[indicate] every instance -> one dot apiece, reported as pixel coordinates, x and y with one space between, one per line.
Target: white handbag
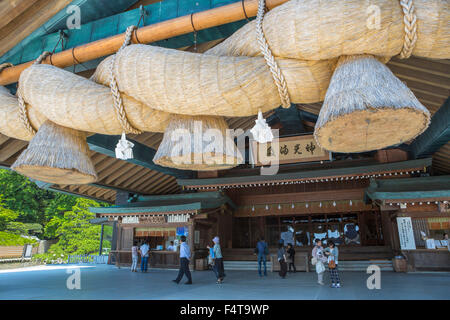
313 261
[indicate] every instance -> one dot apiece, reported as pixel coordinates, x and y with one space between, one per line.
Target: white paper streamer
124 148
261 132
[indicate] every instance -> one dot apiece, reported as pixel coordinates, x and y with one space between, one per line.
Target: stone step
360 265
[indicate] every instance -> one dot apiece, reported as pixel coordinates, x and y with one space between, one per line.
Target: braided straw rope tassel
277 75
410 21
23 115
117 98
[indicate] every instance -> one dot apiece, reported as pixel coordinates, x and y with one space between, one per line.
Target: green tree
6 215
76 234
23 196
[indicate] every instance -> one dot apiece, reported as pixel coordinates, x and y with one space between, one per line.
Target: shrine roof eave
364 170
424 188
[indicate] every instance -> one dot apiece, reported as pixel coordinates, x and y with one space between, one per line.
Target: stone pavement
109 282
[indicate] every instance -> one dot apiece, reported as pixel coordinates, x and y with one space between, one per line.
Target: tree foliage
26 209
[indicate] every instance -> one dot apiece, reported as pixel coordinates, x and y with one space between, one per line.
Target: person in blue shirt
185 256
218 261
144 250
333 255
262 250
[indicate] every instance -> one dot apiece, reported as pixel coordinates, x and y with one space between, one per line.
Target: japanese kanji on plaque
288 150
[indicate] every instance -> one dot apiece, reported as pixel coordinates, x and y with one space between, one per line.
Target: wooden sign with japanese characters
290 150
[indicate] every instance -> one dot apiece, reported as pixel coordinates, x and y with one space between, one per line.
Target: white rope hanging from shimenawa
261 132
124 148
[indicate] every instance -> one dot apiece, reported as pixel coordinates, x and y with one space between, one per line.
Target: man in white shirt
144 251
185 256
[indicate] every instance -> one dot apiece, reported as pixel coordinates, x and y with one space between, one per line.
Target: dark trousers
291 264
144 264
262 260
218 268
283 268
184 270
334 275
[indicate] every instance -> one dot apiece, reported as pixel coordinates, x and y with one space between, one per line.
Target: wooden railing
94 259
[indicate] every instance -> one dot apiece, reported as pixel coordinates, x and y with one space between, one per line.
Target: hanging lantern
197 143
261 132
367 108
57 155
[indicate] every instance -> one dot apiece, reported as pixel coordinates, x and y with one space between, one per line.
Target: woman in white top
319 259
134 257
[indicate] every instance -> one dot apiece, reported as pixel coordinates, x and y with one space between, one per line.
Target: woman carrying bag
333 253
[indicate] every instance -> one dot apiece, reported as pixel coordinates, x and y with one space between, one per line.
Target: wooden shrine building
389 205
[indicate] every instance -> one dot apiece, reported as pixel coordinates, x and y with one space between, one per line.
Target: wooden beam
119 172
150 182
145 179
10 9
28 21
133 181
11 148
437 134
142 155
136 171
110 169
178 26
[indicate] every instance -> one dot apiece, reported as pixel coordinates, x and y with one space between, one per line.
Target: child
333 253
134 256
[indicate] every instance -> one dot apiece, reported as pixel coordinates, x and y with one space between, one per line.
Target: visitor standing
291 255
262 250
211 258
171 247
318 260
218 260
333 253
134 256
448 241
282 260
144 250
185 256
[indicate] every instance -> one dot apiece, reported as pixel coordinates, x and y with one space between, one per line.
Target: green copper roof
170 203
437 187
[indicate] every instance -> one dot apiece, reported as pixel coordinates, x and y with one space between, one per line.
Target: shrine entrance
345 229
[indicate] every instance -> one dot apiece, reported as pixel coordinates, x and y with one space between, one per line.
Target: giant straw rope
305 37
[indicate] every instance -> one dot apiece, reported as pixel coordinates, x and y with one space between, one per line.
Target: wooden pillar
191 243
